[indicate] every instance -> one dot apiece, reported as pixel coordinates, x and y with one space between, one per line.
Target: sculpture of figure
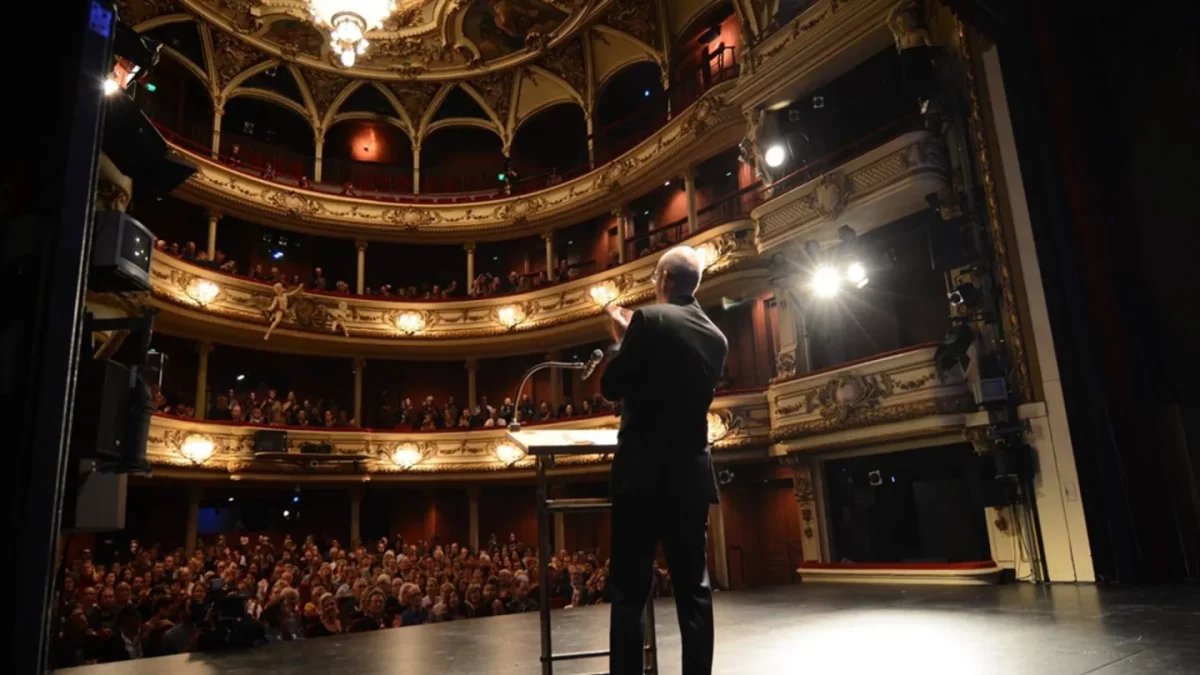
338 318
279 306
753 149
906 26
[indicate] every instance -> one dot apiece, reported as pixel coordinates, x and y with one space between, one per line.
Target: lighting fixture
825 282
151 88
410 322
775 156
240 377
286 513
717 428
277 255
111 86
666 183
508 453
202 291
348 22
197 448
646 93
500 177
857 274
231 500
406 455
296 499
510 315
603 293
728 174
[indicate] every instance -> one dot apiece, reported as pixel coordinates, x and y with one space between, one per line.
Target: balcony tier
204 303
359 455
888 396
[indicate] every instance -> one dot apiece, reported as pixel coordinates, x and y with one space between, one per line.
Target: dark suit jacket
664 373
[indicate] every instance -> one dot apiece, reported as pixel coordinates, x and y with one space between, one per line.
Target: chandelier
348 22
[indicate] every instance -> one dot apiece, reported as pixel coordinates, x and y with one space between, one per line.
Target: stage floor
978 630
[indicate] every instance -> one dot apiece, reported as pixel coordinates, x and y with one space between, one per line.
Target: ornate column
213 217
360 364
191 535
591 142
203 349
416 168
318 158
810 521
470 249
359 284
716 526
689 186
473 517
218 112
472 365
793 356
548 237
620 215
356 497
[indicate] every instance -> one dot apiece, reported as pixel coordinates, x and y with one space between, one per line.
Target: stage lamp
111 86
775 156
965 293
856 274
825 282
952 355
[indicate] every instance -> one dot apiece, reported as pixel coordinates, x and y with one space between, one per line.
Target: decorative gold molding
893 388
370 452
1012 317
244 304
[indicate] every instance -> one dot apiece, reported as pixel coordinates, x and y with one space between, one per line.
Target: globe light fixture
510 315
603 293
202 291
856 274
826 282
348 22
410 322
508 453
197 448
406 455
775 156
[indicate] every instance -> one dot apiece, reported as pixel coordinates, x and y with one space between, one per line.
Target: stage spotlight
775 156
857 274
111 86
286 513
825 282
951 355
966 293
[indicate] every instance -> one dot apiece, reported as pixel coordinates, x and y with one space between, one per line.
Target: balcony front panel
708 126
881 185
201 302
740 419
843 404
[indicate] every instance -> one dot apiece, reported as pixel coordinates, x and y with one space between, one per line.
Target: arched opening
630 106
372 156
462 159
550 146
267 137
178 103
707 56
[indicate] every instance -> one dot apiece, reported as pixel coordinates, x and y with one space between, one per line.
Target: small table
544 445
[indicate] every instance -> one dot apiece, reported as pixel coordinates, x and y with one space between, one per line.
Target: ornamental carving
496 90
831 194
233 55
873 416
414 97
324 88
785 366
567 63
848 393
292 202
636 17
704 114
134 12
409 217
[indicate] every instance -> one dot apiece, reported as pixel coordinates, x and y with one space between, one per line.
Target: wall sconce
510 315
202 291
197 448
604 293
508 454
406 455
707 255
410 322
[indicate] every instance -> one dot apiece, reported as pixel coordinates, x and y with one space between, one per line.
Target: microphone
590 366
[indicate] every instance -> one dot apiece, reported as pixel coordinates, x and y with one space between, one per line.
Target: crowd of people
484 285
403 414
251 408
152 601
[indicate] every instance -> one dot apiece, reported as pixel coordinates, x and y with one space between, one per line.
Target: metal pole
543 527
651 651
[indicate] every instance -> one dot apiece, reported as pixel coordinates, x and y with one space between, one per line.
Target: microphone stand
566 365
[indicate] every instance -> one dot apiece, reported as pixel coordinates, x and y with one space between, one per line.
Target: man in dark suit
669 357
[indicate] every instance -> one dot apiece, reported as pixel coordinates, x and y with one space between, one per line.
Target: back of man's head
681 269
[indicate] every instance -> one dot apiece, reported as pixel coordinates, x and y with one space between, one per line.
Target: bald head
679 271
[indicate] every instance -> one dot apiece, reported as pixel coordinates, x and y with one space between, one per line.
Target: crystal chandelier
348 22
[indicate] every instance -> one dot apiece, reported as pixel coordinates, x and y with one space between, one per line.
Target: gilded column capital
361 245
204 347
471 364
214 215
359 363
469 247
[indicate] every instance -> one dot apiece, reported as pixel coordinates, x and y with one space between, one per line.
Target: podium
544 445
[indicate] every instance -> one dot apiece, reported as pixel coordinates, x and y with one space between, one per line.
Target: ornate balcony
878 186
195 449
201 302
709 125
899 394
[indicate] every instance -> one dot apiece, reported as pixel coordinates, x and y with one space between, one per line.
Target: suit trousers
638 525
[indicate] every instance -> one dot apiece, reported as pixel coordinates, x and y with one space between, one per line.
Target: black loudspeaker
270 441
316 449
112 415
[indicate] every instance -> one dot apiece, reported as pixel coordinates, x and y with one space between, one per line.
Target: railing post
360 364
213 217
218 111
689 186
360 283
470 249
318 159
203 349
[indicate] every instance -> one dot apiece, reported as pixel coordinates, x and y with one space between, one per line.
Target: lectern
544 445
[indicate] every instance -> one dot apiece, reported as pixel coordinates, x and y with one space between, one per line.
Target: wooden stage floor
810 629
